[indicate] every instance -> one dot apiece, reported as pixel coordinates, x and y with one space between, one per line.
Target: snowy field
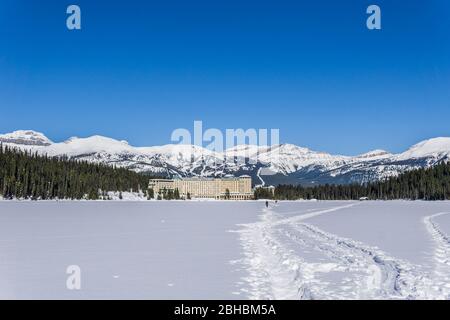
226 250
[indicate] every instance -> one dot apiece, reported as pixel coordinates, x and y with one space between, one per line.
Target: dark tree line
424 184
28 175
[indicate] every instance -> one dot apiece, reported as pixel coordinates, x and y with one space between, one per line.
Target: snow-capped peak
287 148
94 144
176 150
26 137
246 150
375 154
436 147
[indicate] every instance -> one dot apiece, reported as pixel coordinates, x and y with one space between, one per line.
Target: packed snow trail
367 273
289 259
441 255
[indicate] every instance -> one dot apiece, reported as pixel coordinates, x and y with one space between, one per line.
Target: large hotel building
213 188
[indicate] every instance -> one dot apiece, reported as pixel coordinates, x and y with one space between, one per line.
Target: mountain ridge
284 163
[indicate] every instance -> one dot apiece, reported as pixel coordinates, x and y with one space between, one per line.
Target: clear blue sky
139 69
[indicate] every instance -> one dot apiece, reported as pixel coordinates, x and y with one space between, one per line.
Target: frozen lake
226 250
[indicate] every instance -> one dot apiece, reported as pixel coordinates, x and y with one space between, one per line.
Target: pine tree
422 184
150 194
27 175
176 194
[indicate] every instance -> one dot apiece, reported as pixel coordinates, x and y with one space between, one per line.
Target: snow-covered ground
349 250
226 250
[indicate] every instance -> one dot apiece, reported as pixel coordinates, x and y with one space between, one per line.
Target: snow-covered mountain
285 163
26 137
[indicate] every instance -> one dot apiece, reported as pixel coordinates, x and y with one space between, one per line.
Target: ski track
332 267
258 174
441 254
